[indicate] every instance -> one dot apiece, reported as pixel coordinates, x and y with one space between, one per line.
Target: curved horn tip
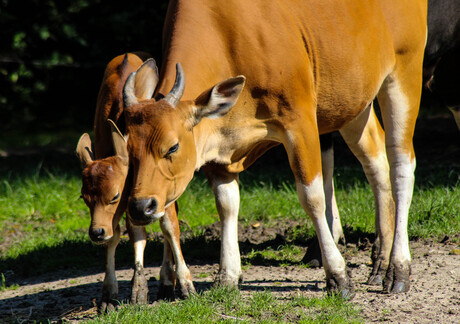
177 91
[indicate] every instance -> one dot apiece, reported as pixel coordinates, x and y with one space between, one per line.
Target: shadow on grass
85 258
438 160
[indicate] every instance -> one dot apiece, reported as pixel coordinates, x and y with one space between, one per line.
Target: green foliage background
54 52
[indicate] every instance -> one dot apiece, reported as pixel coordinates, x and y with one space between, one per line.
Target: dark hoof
312 257
186 290
378 273
107 306
166 292
223 279
139 292
375 280
341 285
397 279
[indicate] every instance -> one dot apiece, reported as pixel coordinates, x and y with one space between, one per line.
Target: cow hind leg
399 99
139 287
366 139
170 226
304 157
110 284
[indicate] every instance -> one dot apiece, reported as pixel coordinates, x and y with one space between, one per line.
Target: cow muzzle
143 211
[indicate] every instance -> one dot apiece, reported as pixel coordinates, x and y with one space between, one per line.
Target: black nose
142 210
97 234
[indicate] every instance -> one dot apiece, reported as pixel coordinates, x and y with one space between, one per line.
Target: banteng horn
174 96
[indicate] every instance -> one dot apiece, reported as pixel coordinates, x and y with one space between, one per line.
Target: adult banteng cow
105 170
311 67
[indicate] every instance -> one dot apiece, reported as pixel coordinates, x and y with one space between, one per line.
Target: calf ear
84 151
220 99
119 142
141 84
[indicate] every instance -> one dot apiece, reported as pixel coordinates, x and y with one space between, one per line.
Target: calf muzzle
97 234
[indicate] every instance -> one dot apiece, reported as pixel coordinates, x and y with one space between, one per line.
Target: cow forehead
154 125
149 112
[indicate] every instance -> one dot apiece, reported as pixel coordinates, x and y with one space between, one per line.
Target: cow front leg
110 284
313 255
139 287
227 196
302 146
170 226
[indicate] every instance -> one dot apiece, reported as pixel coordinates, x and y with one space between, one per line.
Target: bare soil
434 296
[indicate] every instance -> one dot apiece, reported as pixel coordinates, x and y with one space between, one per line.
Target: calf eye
173 149
115 199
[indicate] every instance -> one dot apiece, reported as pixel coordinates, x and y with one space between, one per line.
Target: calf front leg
138 238
110 284
167 274
227 195
170 226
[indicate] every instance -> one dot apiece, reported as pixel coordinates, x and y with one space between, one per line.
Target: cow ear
146 79
141 84
84 151
217 101
119 142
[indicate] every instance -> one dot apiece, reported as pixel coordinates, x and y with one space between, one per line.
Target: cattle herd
240 77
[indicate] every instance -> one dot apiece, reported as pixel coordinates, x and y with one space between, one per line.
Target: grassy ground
228 306
41 214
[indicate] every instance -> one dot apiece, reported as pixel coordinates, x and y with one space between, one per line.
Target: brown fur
311 67
103 181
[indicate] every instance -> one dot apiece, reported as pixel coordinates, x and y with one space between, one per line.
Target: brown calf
311 68
104 191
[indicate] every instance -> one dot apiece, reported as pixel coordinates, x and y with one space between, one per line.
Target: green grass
44 206
229 306
41 214
284 255
3 285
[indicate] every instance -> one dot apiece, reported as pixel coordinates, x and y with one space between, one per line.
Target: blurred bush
54 52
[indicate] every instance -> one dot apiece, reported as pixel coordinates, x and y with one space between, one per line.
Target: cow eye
173 149
115 199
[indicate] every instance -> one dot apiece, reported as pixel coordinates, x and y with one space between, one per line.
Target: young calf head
103 182
103 179
161 141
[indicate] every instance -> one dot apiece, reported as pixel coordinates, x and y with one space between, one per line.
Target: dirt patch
434 295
